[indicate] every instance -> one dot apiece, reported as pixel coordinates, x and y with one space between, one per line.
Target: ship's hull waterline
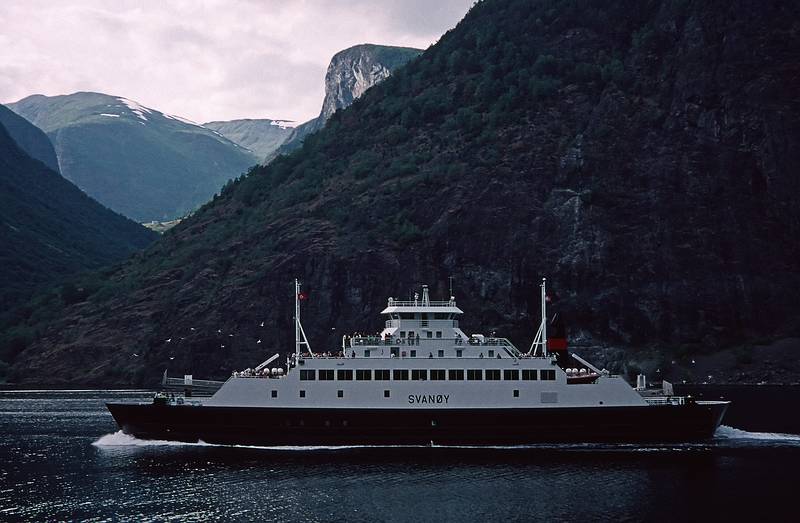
270 426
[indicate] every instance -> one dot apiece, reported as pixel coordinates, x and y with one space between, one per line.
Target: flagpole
297 318
544 316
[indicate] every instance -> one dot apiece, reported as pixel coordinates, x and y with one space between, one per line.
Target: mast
540 340
297 341
299 333
544 317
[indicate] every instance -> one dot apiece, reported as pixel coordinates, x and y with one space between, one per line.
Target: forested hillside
641 154
50 229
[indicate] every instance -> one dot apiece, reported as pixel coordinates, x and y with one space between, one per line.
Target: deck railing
419 303
665 400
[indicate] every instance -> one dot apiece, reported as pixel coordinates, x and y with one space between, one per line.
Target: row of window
423 316
412 334
388 394
424 374
395 351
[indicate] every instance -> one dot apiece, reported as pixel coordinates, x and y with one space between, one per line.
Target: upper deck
421 306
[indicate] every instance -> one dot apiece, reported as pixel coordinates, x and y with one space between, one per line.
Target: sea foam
725 432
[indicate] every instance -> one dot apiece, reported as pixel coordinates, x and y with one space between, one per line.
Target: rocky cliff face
641 155
350 73
354 70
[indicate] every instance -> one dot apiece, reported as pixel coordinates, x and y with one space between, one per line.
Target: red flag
303 295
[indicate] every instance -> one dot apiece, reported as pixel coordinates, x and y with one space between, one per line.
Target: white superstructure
422 359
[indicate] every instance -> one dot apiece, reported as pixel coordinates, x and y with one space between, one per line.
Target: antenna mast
299 333
541 335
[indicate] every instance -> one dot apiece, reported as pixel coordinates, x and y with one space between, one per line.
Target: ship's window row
412 353
433 374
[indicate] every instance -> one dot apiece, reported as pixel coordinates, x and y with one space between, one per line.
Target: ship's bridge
425 328
421 318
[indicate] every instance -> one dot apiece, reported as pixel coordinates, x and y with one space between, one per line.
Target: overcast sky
203 60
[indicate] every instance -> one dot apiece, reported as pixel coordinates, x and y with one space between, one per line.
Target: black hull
331 427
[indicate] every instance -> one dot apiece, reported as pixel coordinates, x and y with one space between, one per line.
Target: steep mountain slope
29 138
49 228
640 154
137 161
262 137
350 73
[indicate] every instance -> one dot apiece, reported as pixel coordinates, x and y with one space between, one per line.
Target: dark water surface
61 458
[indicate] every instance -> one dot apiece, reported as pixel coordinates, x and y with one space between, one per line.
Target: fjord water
62 458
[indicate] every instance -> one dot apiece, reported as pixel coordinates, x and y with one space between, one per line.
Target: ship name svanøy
428 398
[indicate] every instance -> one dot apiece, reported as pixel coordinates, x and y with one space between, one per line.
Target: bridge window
400 375
529 374
437 374
440 316
455 374
511 374
382 374
492 374
406 315
549 374
419 374
326 374
474 374
363 374
344 374
307 375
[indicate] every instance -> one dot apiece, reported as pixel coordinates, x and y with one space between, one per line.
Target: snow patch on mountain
284 124
136 108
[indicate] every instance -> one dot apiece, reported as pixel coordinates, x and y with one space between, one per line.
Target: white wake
120 439
725 432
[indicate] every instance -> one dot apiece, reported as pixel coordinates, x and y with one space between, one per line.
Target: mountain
642 155
138 161
261 136
350 73
49 228
29 138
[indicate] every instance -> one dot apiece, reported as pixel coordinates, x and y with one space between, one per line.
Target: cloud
209 60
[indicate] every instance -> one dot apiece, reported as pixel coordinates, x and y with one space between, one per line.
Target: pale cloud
204 60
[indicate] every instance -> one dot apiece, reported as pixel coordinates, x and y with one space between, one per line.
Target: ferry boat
423 381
